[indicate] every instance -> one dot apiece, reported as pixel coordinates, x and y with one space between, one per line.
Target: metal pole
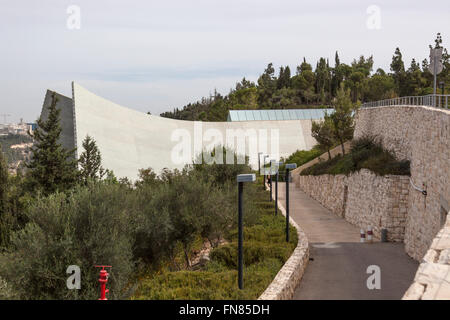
287 205
240 238
270 184
264 176
259 164
435 76
276 194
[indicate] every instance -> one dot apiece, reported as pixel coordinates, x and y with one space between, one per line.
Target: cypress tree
51 167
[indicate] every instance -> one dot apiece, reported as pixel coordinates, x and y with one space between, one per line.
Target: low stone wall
288 278
432 281
363 199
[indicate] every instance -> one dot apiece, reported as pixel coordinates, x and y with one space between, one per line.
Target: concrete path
338 261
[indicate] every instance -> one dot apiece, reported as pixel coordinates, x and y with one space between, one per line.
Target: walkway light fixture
289 166
241 178
273 169
259 162
276 186
264 167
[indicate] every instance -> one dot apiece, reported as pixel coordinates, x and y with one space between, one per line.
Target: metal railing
431 100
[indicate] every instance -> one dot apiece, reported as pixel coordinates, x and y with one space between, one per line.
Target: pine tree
284 78
267 83
323 133
342 117
90 161
51 167
398 69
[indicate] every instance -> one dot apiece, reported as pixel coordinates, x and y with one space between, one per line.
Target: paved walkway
338 261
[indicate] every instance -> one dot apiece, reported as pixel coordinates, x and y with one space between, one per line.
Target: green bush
366 152
91 226
148 228
254 252
265 251
300 157
208 285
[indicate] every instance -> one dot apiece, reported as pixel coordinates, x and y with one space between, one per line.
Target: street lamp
272 164
276 187
241 178
288 167
264 166
259 164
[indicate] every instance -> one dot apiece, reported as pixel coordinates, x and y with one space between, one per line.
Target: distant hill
17 149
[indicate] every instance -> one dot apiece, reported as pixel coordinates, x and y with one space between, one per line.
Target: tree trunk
186 255
343 149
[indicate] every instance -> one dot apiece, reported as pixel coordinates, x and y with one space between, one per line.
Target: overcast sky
158 55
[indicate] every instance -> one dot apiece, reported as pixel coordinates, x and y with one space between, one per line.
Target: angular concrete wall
130 140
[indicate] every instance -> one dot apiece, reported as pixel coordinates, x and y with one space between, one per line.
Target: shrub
300 157
158 221
265 251
220 174
87 227
366 152
254 252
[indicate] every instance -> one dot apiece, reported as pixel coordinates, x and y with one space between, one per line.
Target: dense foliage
299 157
138 228
265 251
312 88
366 152
107 222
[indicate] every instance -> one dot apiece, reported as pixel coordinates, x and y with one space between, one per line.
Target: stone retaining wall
288 278
432 281
363 199
421 135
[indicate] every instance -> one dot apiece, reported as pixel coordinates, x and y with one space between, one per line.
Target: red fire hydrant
103 280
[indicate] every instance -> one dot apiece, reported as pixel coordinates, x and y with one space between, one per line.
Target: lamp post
276 187
288 167
259 162
264 167
272 163
241 178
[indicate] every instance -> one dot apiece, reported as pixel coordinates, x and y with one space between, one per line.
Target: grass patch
265 252
365 153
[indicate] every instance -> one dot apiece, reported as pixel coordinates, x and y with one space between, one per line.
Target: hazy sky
157 55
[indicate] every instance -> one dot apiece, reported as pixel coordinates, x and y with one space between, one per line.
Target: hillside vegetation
316 87
15 155
265 252
365 153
